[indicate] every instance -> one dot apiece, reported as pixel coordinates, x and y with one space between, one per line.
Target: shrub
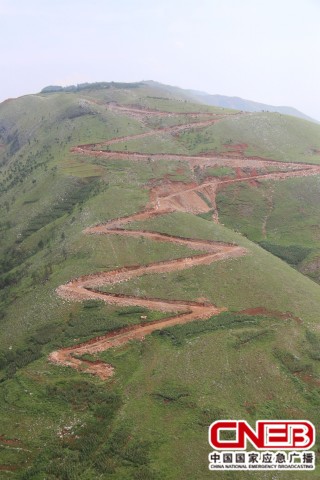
292 254
179 333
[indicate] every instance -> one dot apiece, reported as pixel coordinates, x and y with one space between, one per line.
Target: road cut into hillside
86 288
165 197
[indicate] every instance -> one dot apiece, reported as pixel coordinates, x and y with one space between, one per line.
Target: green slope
269 135
150 420
282 216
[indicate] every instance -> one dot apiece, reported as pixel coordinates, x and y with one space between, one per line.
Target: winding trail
85 288
164 198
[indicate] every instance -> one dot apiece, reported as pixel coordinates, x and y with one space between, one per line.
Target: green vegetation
88 86
154 144
283 217
269 135
293 254
229 366
313 345
180 333
77 194
235 283
150 420
219 172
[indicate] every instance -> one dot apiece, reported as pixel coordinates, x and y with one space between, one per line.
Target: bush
77 194
92 303
292 254
292 363
314 345
179 333
144 473
84 394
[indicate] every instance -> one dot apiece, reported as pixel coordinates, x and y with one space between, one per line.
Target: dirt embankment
164 198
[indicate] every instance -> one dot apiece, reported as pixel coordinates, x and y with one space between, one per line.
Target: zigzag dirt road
164 198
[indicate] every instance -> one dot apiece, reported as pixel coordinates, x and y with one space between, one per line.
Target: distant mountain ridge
236 103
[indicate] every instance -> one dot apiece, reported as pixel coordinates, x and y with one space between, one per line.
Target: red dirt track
164 198
183 311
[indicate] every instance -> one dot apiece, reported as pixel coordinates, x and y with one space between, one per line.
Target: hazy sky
263 50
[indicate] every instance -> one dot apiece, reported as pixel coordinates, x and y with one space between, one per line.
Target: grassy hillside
269 135
283 217
258 359
235 283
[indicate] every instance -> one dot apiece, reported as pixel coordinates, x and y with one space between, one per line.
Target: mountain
160 270
238 103
235 103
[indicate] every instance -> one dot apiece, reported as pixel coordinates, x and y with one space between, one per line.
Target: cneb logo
269 434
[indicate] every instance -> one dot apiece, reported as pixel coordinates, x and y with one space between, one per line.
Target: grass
246 213
81 168
160 142
288 210
219 172
187 385
139 172
153 99
299 211
293 254
69 263
150 420
269 135
158 122
234 283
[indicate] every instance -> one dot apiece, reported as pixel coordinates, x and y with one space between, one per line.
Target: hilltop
223 101
160 270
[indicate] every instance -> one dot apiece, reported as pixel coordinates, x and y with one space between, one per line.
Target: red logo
269 434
